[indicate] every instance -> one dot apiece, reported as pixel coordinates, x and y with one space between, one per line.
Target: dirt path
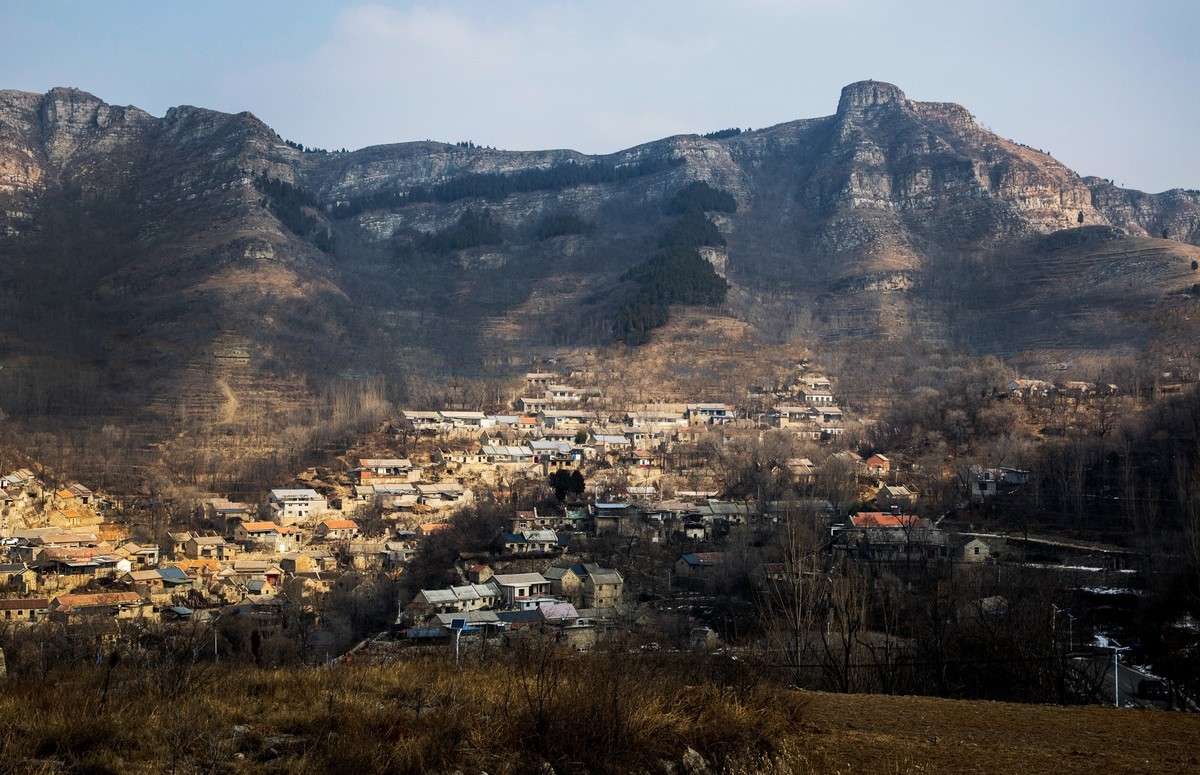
229 410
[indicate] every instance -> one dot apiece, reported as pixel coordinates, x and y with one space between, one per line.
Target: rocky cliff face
854 224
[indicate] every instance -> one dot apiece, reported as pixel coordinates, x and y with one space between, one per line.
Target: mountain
199 270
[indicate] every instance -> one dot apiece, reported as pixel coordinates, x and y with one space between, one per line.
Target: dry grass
605 713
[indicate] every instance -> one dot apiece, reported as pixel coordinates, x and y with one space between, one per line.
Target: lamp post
1054 612
1117 649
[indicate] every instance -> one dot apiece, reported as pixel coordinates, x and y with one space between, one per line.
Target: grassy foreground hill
611 712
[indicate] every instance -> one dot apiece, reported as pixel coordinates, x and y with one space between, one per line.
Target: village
602 523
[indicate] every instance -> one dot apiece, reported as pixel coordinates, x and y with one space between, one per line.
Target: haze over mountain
151 264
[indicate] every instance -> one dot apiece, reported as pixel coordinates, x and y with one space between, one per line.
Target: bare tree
793 592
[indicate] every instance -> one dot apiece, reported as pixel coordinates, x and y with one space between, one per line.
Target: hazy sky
1109 88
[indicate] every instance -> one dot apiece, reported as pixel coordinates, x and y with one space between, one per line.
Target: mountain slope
150 267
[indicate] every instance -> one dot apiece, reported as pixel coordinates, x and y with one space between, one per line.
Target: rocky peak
857 97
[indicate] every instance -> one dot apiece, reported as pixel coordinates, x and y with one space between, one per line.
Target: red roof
884 519
254 527
340 524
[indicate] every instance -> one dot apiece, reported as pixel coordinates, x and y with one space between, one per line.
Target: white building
291 506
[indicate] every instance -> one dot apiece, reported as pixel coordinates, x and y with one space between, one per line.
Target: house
656 419
539 380
75 495
79 564
397 554
709 414
895 496
497 454
337 530
19 577
110 605
831 414
296 505
308 561
607 444
479 574
141 555
564 394
422 421
602 587
531 542
887 537
73 517
266 536
176 543
878 465
518 588
985 483
214 547
157 579
382 471
531 405
566 581
1024 388
817 396
619 518
532 520
555 455
441 495
974 549
804 472
15 484
224 514
1014 476
1076 389
245 570
426 530
788 416
24 610
469 597
701 568
557 613
642 459
564 418
467 420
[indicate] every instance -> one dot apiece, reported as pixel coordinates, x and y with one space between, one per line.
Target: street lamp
1117 649
1055 611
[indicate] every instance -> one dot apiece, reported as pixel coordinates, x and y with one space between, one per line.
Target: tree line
295 207
496 186
676 273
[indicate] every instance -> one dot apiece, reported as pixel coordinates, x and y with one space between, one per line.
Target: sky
1108 88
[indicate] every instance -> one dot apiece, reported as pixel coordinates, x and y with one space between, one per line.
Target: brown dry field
883 734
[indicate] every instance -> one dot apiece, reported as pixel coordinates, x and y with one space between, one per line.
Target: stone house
109 605
206 547
24 610
974 549
895 496
337 530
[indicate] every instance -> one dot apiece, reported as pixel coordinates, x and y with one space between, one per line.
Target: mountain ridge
133 248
